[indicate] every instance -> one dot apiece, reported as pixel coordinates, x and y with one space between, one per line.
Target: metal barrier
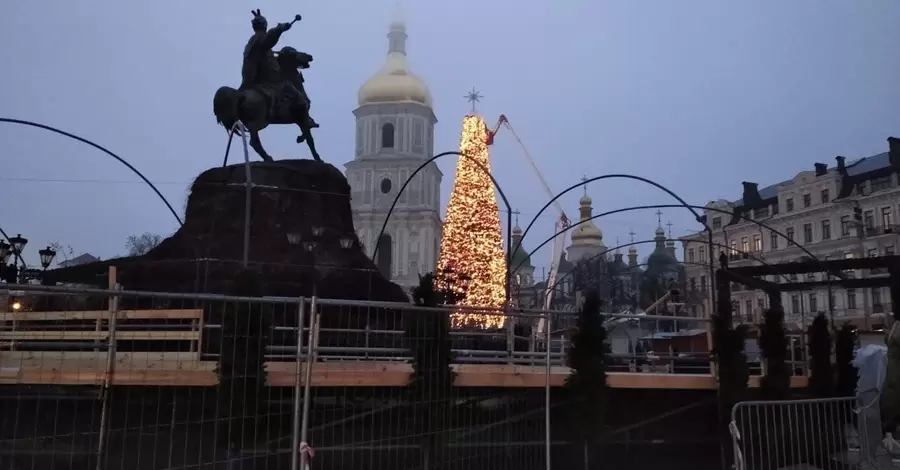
103 379
825 433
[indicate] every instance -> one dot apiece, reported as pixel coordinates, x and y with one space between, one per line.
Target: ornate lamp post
4 252
47 255
11 272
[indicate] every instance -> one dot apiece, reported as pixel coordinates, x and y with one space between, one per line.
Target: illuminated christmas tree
472 244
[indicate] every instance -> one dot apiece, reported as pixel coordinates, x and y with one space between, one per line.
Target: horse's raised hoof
300 139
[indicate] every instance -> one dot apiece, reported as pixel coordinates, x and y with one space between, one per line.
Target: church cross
584 180
632 234
659 218
669 224
473 97
516 213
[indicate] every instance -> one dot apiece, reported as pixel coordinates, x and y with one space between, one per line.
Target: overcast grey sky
696 94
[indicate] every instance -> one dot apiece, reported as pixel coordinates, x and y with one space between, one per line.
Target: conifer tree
471 241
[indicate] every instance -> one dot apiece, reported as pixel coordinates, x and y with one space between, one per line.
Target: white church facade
394 136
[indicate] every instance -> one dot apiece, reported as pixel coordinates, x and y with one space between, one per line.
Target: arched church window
386 185
387 136
385 255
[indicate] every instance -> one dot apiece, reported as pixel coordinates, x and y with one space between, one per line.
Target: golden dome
395 83
586 232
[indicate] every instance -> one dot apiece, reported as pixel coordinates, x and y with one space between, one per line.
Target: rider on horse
260 68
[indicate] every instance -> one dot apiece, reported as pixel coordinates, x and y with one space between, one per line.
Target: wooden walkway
33 351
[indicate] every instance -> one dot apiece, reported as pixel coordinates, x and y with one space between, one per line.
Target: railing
822 433
109 378
181 336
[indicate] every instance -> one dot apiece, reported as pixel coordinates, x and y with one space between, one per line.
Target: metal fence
112 379
827 433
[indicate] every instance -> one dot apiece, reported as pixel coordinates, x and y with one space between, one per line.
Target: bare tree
138 245
66 252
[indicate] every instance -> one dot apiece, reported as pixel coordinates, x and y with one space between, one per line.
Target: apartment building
849 210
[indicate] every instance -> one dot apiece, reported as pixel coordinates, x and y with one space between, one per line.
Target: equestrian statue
271 90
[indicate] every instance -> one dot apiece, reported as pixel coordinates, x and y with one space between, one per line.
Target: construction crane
561 224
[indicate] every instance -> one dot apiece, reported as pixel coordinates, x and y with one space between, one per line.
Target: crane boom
561 224
550 193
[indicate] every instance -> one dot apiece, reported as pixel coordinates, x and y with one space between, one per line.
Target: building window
757 243
889 250
761 213
790 235
773 241
702 282
387 136
876 297
882 183
789 204
872 252
386 185
717 222
748 309
690 255
807 200
795 304
745 245
761 305
845 226
813 303
702 254
385 255
807 233
869 219
861 188
851 298
826 229
826 198
733 251
886 217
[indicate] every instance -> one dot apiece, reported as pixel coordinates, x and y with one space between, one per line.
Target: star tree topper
473 97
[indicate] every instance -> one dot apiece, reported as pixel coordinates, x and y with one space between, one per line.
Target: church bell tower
394 136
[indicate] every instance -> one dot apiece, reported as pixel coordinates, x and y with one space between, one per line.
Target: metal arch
662 206
102 149
616 175
420 168
643 242
18 255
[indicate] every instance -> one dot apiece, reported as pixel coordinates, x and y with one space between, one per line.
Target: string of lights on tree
471 243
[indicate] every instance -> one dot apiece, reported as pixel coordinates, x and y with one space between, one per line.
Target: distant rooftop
854 167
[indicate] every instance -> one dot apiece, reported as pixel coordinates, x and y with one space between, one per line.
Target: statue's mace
296 19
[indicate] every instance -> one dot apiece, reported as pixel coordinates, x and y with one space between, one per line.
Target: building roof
394 82
854 168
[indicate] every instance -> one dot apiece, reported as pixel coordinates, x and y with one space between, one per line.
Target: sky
698 95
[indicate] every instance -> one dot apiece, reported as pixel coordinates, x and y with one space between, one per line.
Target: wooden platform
186 370
90 368
392 374
32 352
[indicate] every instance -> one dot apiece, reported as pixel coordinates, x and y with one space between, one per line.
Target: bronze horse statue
256 111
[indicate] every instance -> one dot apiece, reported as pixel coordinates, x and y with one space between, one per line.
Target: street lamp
346 242
18 245
4 252
47 255
294 238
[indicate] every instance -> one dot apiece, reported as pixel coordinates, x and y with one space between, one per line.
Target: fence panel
103 379
827 433
396 387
